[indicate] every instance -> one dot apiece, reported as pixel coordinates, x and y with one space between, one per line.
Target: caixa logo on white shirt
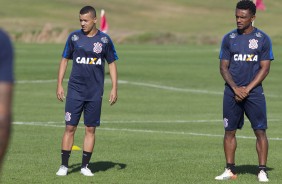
245 57
88 61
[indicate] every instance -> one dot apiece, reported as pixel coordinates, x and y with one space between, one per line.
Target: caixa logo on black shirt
88 61
245 57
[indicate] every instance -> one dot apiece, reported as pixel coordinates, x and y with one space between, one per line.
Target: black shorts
90 109
254 106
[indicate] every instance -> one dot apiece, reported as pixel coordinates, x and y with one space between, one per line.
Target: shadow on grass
249 169
95 167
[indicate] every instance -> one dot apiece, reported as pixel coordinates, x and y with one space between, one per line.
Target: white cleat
63 171
262 176
226 175
86 172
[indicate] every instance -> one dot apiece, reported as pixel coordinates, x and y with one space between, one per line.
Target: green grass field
165 128
188 21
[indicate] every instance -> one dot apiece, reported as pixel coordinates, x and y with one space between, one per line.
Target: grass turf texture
165 128
193 21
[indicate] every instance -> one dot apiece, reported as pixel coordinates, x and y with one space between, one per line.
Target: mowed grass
165 128
193 21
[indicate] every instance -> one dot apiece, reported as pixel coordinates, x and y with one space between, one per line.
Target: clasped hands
241 93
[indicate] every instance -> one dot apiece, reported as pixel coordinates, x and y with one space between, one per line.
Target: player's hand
241 93
238 99
245 91
60 93
113 97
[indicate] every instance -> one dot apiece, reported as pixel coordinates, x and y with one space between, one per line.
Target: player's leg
88 146
256 112
89 139
230 145
92 113
67 142
68 137
5 117
233 119
262 150
73 111
262 146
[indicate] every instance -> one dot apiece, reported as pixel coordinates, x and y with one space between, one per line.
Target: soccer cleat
226 175
63 171
262 176
86 172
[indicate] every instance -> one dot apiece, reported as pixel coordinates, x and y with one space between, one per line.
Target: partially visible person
245 57
6 90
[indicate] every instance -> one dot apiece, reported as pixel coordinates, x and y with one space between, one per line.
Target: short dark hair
247 5
88 9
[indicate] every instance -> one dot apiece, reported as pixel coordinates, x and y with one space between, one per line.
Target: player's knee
229 134
70 129
90 130
260 134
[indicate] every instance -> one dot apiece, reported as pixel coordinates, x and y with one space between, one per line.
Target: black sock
262 167
65 157
231 167
86 156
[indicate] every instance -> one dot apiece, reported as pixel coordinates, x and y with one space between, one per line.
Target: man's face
87 22
244 19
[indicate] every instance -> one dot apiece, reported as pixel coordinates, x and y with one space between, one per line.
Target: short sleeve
6 58
267 53
111 54
69 48
224 50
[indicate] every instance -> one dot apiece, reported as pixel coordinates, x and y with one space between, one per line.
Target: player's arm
240 94
224 56
224 65
114 78
6 90
61 74
261 75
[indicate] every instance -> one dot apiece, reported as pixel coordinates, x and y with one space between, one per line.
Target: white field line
172 121
175 51
148 121
52 124
134 83
168 88
35 81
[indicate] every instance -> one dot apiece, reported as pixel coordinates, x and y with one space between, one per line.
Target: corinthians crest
68 116
97 48
253 44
